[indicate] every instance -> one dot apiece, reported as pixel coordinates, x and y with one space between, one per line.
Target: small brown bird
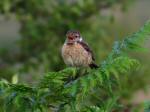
76 53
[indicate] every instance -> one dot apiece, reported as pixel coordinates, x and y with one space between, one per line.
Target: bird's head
73 36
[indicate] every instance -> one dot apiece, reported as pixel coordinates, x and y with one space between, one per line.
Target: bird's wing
87 48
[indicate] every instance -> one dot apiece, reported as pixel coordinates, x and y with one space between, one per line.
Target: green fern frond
137 39
94 78
147 106
94 109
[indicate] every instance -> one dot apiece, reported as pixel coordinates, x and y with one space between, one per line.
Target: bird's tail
93 66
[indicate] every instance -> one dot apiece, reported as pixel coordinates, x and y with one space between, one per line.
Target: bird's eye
76 36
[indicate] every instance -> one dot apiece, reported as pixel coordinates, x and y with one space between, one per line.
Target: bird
77 53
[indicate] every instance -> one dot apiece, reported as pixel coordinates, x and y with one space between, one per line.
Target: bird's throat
70 43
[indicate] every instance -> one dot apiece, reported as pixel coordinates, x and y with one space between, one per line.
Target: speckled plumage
76 55
76 52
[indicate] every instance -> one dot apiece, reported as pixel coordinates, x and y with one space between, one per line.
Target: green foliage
65 91
147 106
44 24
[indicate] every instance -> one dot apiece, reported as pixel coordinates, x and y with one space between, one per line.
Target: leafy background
32 33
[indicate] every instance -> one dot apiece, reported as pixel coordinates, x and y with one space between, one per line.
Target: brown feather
87 48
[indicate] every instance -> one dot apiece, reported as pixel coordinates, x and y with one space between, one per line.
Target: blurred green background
33 31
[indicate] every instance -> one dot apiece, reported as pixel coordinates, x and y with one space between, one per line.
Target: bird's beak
70 38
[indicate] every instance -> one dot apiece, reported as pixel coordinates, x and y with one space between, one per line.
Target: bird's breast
76 55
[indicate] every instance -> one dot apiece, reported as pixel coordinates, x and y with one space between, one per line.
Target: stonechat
77 53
